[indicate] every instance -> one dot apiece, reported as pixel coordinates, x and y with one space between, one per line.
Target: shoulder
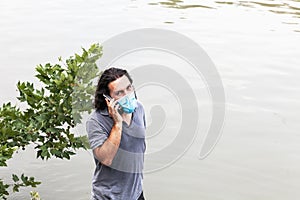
94 116
97 117
140 115
98 121
140 108
140 105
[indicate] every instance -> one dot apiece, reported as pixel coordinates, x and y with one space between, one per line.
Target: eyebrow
125 88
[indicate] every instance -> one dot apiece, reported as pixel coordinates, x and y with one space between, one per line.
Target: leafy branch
50 113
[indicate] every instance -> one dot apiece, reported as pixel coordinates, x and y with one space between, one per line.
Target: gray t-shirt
123 179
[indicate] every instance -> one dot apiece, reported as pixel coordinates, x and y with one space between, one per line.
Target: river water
255 46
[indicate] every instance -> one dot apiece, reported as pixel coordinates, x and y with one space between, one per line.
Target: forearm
106 153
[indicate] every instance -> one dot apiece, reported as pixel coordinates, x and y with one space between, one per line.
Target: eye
129 87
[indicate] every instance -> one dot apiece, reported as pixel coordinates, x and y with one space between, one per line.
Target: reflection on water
288 7
291 7
179 4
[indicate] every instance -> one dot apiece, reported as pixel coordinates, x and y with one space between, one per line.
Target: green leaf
15 178
16 188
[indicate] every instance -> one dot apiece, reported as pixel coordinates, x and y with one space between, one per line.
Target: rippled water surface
255 47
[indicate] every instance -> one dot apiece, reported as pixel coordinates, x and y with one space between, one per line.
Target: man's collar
104 112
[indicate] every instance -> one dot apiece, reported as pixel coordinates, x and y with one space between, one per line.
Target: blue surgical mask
128 103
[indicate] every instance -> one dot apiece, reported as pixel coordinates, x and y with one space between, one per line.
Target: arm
107 151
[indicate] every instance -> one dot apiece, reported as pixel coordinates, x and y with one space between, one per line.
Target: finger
110 106
114 103
117 107
110 103
107 101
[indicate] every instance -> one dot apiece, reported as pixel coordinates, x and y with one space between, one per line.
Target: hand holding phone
107 97
120 110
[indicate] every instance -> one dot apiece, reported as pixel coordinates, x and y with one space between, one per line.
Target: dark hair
109 75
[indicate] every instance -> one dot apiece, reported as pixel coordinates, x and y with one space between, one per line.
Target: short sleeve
96 133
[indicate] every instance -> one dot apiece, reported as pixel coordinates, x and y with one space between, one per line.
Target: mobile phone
120 110
107 97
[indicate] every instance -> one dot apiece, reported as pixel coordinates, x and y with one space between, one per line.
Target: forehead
119 84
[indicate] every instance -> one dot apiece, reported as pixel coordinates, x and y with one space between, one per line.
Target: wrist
118 126
115 134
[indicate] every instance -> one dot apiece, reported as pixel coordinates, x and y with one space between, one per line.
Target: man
116 131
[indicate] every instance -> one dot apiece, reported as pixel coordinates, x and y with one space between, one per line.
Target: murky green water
255 47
